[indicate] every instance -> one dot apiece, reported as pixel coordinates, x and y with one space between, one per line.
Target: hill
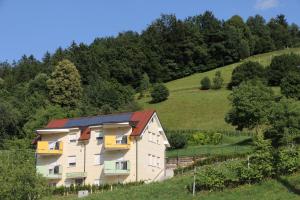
190 108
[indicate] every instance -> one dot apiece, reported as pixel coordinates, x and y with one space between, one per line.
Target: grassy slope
230 145
190 108
286 188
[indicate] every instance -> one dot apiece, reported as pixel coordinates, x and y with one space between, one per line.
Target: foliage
284 122
217 81
205 83
159 93
290 85
287 161
200 138
144 85
245 72
177 141
281 66
18 176
64 84
251 104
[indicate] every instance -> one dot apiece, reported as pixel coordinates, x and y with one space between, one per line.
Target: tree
18 177
38 84
144 85
64 85
280 66
205 83
290 85
217 81
247 71
251 103
159 93
109 94
284 122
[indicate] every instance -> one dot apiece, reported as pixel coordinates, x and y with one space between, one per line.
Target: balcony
76 175
49 148
113 168
115 142
50 173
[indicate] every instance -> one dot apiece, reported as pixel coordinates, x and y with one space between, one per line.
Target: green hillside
189 108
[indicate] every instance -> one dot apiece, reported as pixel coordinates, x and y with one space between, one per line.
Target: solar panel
97 120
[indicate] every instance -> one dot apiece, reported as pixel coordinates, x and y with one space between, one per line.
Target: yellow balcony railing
49 148
113 142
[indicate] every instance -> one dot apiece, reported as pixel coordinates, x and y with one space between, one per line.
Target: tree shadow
292 188
248 141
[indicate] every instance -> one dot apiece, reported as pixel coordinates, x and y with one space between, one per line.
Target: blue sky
35 26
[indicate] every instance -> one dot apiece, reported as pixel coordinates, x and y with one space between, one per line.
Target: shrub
290 85
216 138
210 179
198 138
177 140
245 72
159 93
205 83
217 81
287 161
201 138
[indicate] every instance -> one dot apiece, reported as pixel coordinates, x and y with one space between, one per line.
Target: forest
104 76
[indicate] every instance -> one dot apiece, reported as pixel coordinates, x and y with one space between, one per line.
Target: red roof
138 120
141 118
57 123
85 133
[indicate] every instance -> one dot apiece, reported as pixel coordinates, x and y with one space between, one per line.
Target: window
72 138
121 139
157 161
97 159
157 139
121 165
53 145
72 161
99 135
153 160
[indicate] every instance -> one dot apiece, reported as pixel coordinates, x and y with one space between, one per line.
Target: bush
290 85
210 179
177 140
280 66
217 81
205 83
200 138
216 138
287 161
245 72
159 93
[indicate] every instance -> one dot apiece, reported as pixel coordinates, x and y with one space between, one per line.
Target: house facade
117 148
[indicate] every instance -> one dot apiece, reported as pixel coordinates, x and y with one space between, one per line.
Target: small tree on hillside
159 93
251 105
205 83
144 85
290 85
217 81
64 85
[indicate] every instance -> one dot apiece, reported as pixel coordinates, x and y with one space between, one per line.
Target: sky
36 26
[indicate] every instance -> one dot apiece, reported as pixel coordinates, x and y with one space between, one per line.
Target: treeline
112 69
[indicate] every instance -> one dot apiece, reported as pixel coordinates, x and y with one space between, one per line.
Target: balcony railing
115 142
112 168
76 175
50 172
49 148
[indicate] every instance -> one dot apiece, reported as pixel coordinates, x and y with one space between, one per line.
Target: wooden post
194 183
248 159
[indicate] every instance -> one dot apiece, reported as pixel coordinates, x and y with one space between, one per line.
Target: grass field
232 145
188 107
287 187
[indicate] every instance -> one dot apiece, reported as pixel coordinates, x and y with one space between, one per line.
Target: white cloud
266 4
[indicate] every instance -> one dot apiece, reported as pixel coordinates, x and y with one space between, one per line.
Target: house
116 148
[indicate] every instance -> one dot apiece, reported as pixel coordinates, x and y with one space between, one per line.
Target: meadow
189 107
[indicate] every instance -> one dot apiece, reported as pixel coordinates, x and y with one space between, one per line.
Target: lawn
231 145
188 107
286 187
